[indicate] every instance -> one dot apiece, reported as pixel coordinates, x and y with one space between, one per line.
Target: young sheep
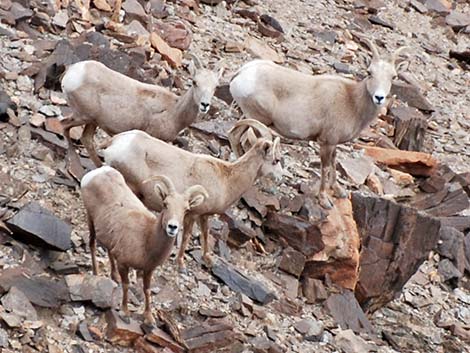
327 108
101 97
137 156
134 236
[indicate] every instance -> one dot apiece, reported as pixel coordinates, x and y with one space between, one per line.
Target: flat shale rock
5 104
242 283
347 313
209 336
313 290
36 225
339 259
410 128
292 261
458 20
40 290
101 291
119 332
18 304
451 245
395 241
163 339
350 343
411 95
299 234
414 163
440 6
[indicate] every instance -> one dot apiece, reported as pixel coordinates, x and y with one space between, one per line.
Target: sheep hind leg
87 140
204 226
94 265
148 317
326 154
124 273
114 271
338 190
187 231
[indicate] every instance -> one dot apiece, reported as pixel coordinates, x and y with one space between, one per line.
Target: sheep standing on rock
101 97
134 236
327 108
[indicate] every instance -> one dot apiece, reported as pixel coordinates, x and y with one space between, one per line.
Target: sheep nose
172 229
204 106
379 98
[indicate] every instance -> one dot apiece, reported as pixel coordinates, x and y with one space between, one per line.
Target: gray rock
38 226
448 271
242 283
311 329
17 303
350 343
101 291
3 338
451 246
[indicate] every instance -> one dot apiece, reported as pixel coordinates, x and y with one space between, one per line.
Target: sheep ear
266 146
197 194
402 66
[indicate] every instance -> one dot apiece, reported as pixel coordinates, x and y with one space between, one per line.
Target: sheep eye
194 83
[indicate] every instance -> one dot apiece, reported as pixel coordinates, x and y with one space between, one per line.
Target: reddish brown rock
172 55
395 241
175 33
122 333
314 290
414 163
410 128
209 336
292 261
339 259
163 339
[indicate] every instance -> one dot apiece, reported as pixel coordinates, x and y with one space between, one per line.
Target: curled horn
276 148
397 53
164 181
372 47
242 131
196 61
196 190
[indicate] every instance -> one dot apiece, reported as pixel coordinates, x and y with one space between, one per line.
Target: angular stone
3 338
302 236
311 329
395 241
269 26
350 343
119 332
102 291
260 201
17 303
172 55
467 252
448 271
451 246
242 283
411 95
376 20
208 337
212 312
163 339
5 104
239 232
261 50
134 10
175 33
440 6
357 169
410 128
40 290
141 345
458 20
339 259
37 225
292 261
414 163
347 313
418 6
314 290
84 333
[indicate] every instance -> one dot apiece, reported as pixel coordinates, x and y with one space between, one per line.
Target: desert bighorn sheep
101 97
134 236
137 156
327 108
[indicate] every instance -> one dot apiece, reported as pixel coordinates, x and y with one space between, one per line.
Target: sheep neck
180 116
366 110
159 245
243 174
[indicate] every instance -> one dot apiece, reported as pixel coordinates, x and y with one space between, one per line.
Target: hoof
183 270
125 316
325 201
208 261
149 320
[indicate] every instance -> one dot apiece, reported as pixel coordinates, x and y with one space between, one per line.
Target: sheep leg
204 225
114 271
326 154
187 230
92 243
117 10
73 160
338 190
148 317
87 140
124 273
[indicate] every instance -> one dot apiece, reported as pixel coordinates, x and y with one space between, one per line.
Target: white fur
121 151
88 177
244 84
74 77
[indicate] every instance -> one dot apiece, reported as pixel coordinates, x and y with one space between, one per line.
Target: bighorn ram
137 156
101 97
327 108
134 236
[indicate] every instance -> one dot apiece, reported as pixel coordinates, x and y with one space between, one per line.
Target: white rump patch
90 175
121 147
244 84
74 76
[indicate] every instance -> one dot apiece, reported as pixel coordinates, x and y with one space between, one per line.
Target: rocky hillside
386 270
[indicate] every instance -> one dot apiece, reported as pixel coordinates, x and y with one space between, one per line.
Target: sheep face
379 83
204 84
272 165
